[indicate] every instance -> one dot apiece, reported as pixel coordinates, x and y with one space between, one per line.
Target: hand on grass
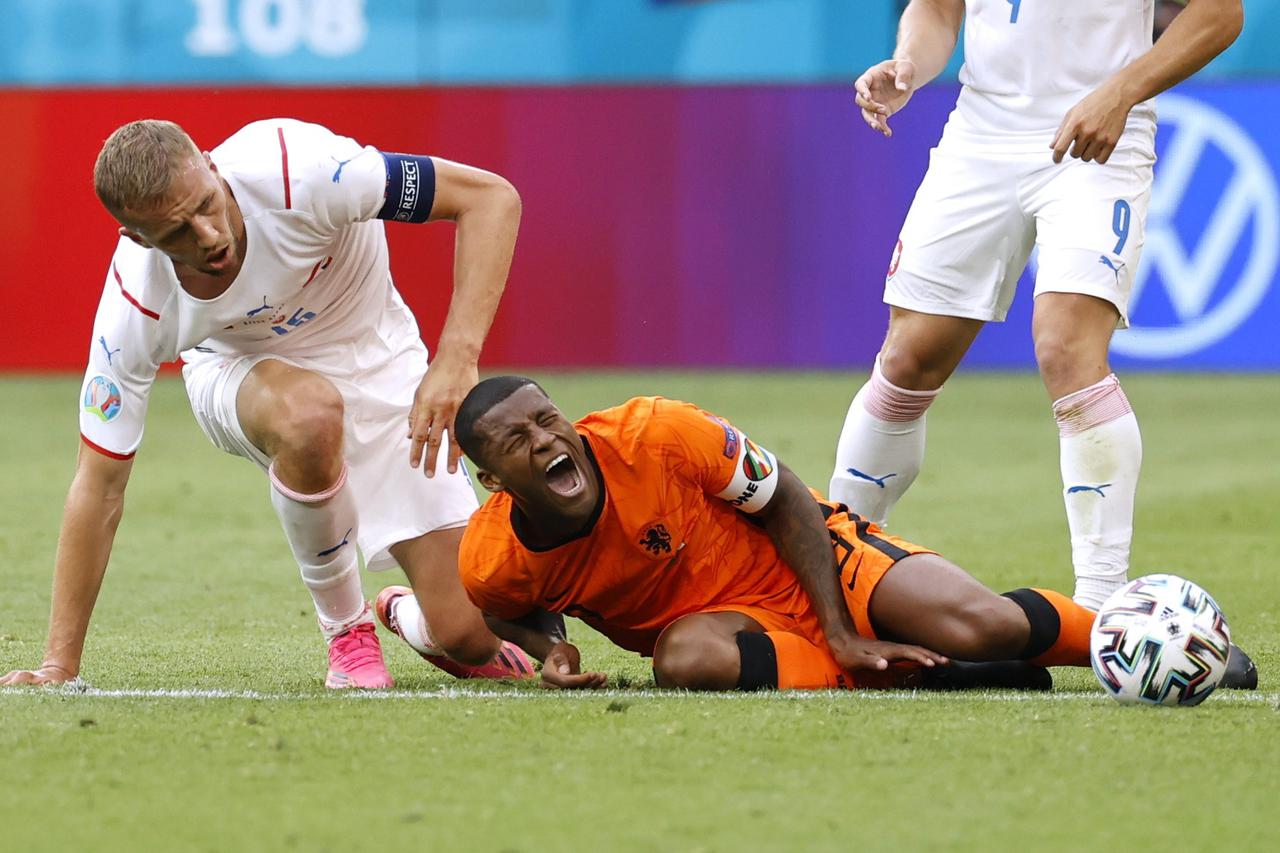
562 669
48 673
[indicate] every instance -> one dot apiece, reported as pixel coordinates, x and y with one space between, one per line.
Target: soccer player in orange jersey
671 532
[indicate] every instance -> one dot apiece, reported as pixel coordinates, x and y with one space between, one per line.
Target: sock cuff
411 624
332 628
758 667
317 498
1100 403
888 402
1046 624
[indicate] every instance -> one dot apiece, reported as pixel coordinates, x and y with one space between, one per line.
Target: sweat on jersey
315 271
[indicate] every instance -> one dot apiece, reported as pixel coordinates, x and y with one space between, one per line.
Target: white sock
881 447
1101 453
321 529
413 625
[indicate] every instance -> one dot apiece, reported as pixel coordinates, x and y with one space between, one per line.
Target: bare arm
927 36
1092 128
486 209
795 524
537 632
1202 31
95 503
542 634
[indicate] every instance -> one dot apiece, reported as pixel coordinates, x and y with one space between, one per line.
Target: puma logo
327 551
337 176
879 481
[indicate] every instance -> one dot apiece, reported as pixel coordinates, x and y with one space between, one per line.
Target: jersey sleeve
713 453
123 360
335 179
492 569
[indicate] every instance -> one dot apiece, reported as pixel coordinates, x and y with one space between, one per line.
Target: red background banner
651 234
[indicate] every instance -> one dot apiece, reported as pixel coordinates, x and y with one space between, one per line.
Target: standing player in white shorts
1043 79
264 266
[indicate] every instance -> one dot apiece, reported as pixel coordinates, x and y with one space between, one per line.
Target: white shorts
396 502
981 208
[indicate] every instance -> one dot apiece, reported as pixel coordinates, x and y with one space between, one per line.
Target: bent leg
1101 445
295 418
881 446
927 600
700 651
455 625
728 650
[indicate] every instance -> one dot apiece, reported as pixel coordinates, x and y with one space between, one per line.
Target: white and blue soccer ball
1160 640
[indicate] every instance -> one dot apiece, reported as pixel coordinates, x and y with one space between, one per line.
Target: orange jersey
671 537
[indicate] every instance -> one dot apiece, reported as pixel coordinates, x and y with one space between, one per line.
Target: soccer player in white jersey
263 264
1051 144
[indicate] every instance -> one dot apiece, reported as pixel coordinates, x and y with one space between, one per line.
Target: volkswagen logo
1213 253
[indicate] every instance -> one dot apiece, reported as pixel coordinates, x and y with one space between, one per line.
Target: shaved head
477 404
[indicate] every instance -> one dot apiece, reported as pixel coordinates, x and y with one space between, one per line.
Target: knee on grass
696 660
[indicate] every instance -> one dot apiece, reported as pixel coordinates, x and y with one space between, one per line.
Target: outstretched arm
486 209
1092 128
542 634
95 503
795 524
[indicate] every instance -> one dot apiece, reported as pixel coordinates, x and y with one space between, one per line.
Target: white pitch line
1220 698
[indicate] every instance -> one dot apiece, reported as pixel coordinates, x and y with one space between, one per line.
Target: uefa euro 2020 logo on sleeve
102 398
1213 235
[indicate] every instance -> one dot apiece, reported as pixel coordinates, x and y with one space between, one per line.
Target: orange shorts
864 552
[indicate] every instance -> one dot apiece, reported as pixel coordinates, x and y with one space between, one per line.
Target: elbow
507 199
1233 23
1229 23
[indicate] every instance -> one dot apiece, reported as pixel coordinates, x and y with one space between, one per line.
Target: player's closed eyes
186 226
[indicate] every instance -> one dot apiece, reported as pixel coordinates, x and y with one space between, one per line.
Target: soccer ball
1160 640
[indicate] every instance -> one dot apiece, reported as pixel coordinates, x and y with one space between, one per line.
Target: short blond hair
137 163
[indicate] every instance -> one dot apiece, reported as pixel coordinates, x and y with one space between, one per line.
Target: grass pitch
207 728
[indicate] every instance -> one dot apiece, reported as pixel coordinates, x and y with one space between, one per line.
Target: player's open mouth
563 477
220 258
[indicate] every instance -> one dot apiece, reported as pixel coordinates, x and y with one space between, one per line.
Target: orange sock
1059 627
785 661
804 666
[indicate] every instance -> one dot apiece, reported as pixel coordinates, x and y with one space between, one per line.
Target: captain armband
411 187
755 477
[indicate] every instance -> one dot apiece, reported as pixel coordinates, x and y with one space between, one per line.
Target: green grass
202 595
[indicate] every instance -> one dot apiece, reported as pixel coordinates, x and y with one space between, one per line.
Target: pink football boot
355 660
509 662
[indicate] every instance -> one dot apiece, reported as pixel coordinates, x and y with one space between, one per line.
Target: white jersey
1027 62
315 274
